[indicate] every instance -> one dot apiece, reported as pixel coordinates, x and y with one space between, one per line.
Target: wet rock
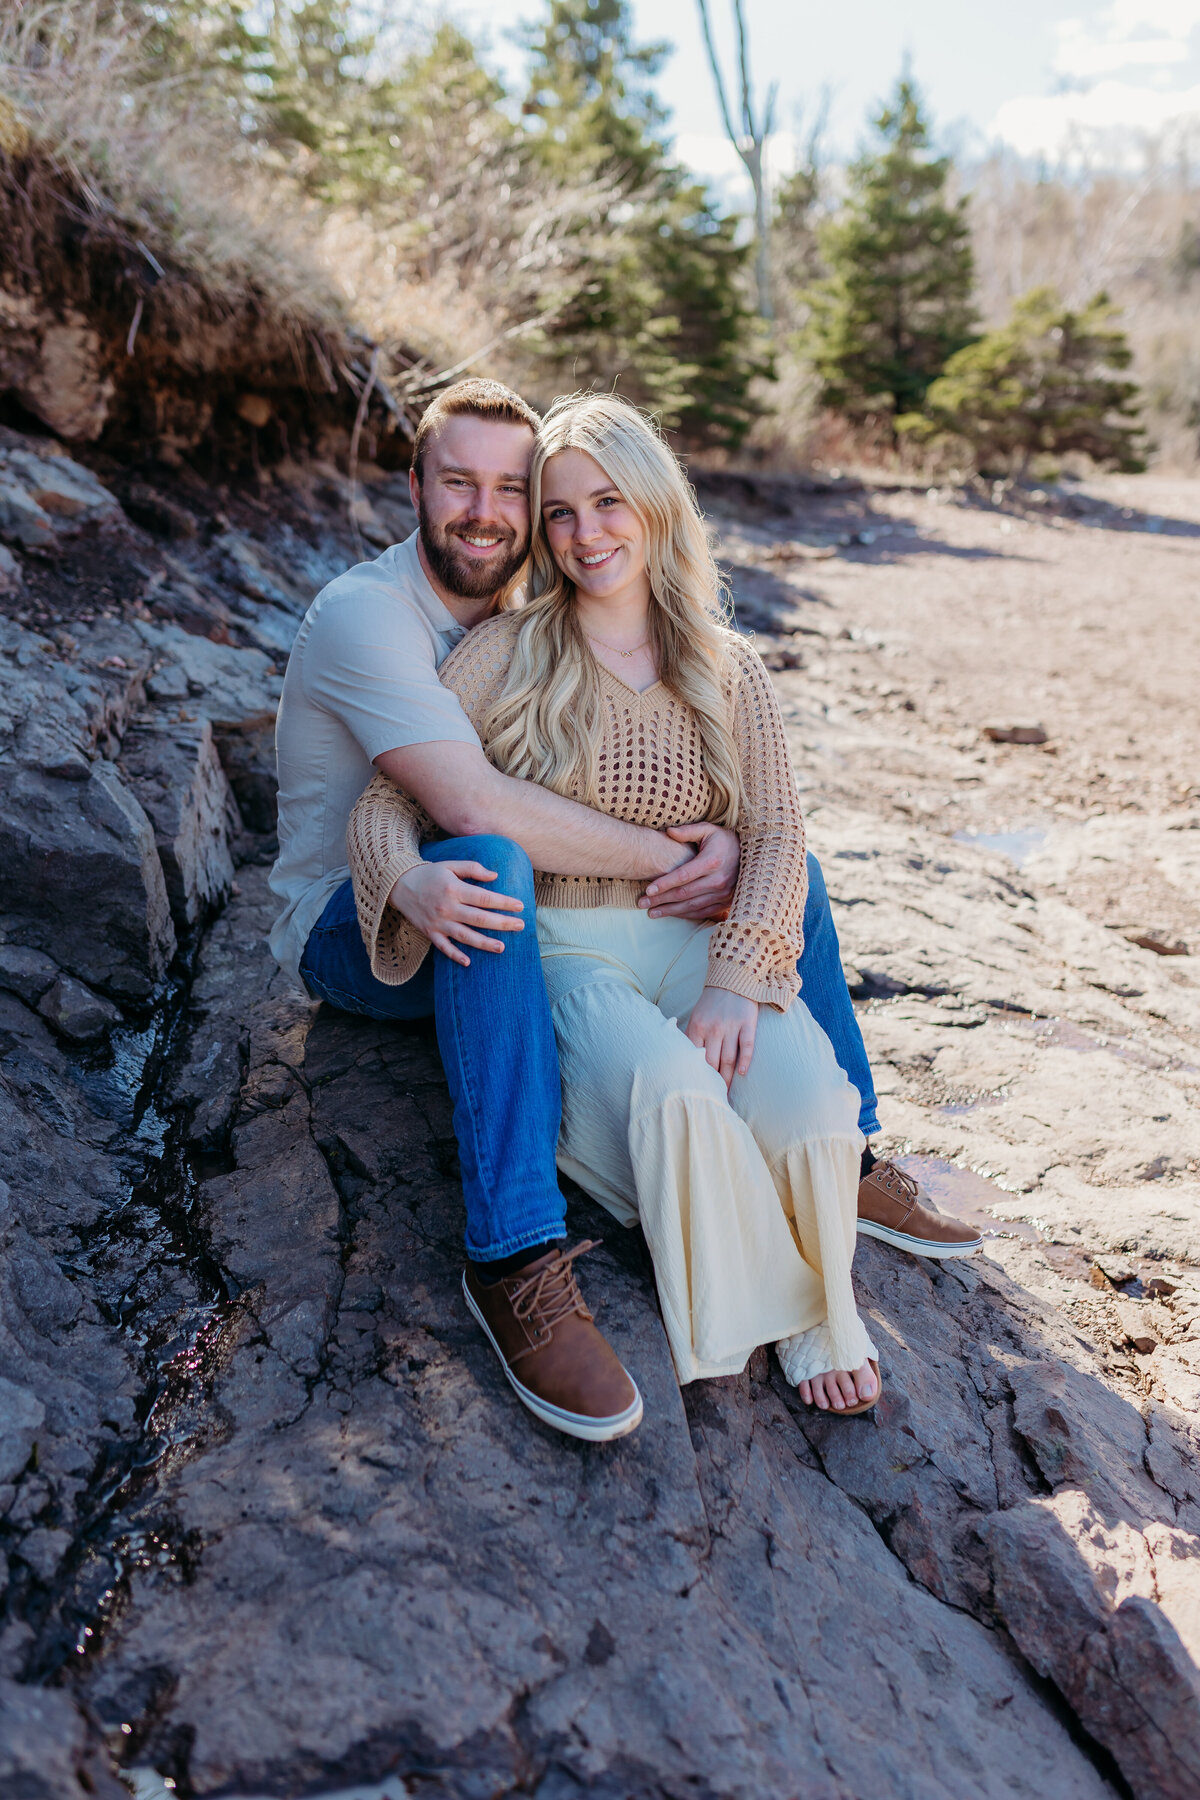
49 1750
26 972
75 1012
173 769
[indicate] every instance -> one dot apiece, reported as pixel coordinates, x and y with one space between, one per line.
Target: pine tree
1050 382
589 95
663 311
895 304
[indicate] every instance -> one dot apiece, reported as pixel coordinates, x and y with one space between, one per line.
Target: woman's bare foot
838 1388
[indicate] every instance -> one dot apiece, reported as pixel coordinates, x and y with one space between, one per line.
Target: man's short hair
474 398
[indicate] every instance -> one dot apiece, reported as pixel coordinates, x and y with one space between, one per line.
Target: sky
1047 79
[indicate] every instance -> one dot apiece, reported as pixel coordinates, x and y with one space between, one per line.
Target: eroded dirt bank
313 1541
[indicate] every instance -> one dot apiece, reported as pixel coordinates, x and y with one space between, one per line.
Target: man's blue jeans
497 1041
497 1044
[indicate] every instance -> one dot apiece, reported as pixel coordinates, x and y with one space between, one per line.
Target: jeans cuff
524 1240
868 1122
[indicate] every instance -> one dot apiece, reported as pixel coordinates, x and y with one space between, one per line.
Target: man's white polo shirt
361 679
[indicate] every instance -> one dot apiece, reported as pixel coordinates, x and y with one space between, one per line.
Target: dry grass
157 155
98 159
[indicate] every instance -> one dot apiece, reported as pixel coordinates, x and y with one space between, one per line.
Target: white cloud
1126 34
1082 59
1134 72
1047 124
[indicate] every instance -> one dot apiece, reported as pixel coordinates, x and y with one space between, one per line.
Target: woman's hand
724 1026
441 900
702 887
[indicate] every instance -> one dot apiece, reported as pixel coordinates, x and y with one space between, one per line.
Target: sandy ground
1034 1062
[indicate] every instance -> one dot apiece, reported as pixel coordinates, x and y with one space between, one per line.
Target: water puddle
1062 1034
967 1196
1017 846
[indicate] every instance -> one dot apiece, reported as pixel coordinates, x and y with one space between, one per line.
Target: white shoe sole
901 1240
576 1425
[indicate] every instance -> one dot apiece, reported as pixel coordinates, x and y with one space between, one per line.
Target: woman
699 1096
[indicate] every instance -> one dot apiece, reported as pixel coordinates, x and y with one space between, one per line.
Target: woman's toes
805 1390
865 1382
846 1387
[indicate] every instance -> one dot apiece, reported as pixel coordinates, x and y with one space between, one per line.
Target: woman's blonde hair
546 723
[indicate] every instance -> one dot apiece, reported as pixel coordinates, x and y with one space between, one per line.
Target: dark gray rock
75 1012
21 1414
43 495
49 1750
26 972
237 691
173 768
433 1583
80 870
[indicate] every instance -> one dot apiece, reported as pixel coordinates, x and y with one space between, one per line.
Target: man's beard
462 574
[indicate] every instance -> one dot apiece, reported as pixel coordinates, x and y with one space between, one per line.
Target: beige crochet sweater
650 773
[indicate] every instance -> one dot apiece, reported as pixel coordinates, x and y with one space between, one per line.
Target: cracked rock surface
276 1524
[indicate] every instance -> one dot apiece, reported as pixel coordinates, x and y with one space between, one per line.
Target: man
361 691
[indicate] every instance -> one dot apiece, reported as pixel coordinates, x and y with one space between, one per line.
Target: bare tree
749 142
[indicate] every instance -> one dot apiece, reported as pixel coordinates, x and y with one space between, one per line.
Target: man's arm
467 797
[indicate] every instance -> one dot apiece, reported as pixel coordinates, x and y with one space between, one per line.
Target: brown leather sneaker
890 1207
561 1367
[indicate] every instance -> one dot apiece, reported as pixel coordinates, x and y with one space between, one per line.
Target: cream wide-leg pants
748 1198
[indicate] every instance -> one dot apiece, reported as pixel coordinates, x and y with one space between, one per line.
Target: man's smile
478 542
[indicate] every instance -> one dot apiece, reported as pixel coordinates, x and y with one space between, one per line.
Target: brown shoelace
900 1185
552 1294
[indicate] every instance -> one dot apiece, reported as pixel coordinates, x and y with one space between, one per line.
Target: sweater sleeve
387 827
755 951
383 841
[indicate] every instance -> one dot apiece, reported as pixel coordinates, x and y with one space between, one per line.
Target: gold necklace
613 647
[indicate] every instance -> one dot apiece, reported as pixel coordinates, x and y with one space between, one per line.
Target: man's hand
724 1026
441 900
702 887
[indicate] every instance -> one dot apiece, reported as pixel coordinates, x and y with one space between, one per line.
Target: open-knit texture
808 1354
649 771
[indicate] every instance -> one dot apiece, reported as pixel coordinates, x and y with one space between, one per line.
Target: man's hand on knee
702 887
443 901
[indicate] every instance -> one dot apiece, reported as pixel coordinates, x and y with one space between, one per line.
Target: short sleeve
370 661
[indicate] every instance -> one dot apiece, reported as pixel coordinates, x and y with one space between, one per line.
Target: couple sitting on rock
681 969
